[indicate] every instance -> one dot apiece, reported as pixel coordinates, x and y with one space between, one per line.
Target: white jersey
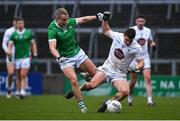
142 37
121 55
6 37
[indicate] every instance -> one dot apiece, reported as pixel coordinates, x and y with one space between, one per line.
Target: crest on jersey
141 41
119 53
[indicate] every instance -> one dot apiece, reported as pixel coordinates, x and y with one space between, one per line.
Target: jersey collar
138 28
58 25
21 31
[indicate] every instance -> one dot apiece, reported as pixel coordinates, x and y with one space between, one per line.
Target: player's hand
61 60
106 15
9 55
133 69
10 58
99 16
154 48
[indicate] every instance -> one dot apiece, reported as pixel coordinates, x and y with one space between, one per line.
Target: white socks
149 99
23 92
130 99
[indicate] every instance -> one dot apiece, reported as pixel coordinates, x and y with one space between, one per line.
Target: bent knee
125 92
10 73
74 82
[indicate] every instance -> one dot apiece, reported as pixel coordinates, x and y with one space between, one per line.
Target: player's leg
18 77
18 83
147 78
133 78
10 71
122 87
23 75
24 69
88 68
71 75
97 80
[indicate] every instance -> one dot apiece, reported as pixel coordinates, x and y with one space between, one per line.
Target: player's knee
74 82
148 79
125 92
10 74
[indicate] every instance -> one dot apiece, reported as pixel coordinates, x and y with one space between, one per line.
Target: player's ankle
82 106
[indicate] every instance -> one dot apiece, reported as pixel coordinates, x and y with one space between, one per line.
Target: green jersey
22 42
65 37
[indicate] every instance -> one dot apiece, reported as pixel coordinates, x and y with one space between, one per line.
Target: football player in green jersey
64 47
23 41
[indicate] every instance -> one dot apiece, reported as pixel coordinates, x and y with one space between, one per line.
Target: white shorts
22 63
147 62
112 75
74 61
13 59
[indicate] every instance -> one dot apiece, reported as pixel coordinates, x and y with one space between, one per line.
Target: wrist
58 57
136 67
97 16
35 55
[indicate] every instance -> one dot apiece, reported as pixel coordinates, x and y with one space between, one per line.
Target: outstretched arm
85 19
105 26
106 29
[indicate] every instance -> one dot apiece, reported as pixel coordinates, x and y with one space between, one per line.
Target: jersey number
119 53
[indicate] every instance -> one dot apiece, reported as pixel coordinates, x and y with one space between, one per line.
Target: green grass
57 107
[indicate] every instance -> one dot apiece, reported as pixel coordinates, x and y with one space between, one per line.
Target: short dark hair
60 11
19 19
130 33
15 18
140 16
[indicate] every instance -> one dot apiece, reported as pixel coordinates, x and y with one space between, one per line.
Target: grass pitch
49 107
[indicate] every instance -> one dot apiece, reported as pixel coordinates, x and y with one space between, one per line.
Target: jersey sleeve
51 35
5 41
139 53
150 35
11 38
72 21
111 34
32 36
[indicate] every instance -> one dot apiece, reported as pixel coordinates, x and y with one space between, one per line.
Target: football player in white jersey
144 38
114 70
9 61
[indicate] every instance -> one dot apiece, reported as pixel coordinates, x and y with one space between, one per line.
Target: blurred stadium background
163 17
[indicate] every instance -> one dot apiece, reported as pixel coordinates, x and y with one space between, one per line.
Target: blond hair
60 11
